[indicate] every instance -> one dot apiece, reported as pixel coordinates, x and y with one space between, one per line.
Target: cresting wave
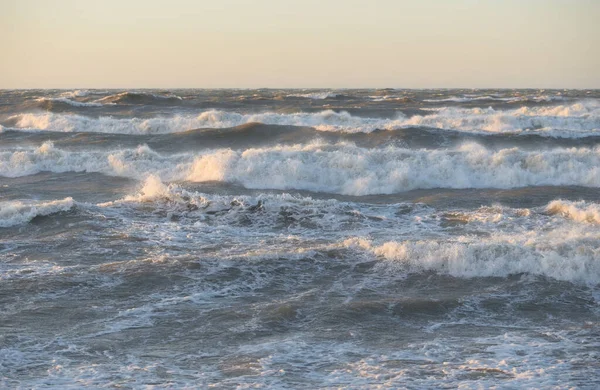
578 211
134 163
17 212
509 99
105 124
316 95
139 98
570 254
341 168
68 101
76 93
350 170
580 119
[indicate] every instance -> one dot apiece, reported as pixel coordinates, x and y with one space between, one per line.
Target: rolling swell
139 98
60 105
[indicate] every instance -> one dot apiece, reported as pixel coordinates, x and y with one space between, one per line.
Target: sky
300 43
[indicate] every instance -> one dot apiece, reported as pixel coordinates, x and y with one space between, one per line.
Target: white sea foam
69 123
135 163
576 120
153 189
339 168
464 99
325 120
316 95
511 99
73 103
350 170
267 210
578 211
75 93
386 98
16 212
565 253
514 358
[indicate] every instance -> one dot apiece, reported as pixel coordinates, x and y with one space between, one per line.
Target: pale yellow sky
305 43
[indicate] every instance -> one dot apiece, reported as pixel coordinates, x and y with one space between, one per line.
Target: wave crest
578 211
48 102
570 121
341 168
563 254
139 98
350 170
18 212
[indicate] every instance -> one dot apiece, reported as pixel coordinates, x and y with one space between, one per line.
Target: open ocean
379 238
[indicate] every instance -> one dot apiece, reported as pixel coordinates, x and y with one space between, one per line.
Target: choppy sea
380 238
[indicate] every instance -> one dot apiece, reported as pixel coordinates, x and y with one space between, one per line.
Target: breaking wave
18 211
508 99
64 100
578 211
76 93
134 163
350 170
339 168
563 254
580 119
316 95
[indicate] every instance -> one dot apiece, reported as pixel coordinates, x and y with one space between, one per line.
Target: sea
300 239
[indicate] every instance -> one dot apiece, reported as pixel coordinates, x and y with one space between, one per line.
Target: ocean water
300 238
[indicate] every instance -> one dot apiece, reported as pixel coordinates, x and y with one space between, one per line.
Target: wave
578 211
18 212
277 211
139 98
317 95
133 163
563 254
509 99
331 168
390 98
76 93
512 244
46 102
350 170
257 134
104 124
464 99
576 120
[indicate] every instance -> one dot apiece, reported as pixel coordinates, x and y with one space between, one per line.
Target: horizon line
304 88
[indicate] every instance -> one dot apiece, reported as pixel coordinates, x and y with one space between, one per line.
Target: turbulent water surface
300 238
